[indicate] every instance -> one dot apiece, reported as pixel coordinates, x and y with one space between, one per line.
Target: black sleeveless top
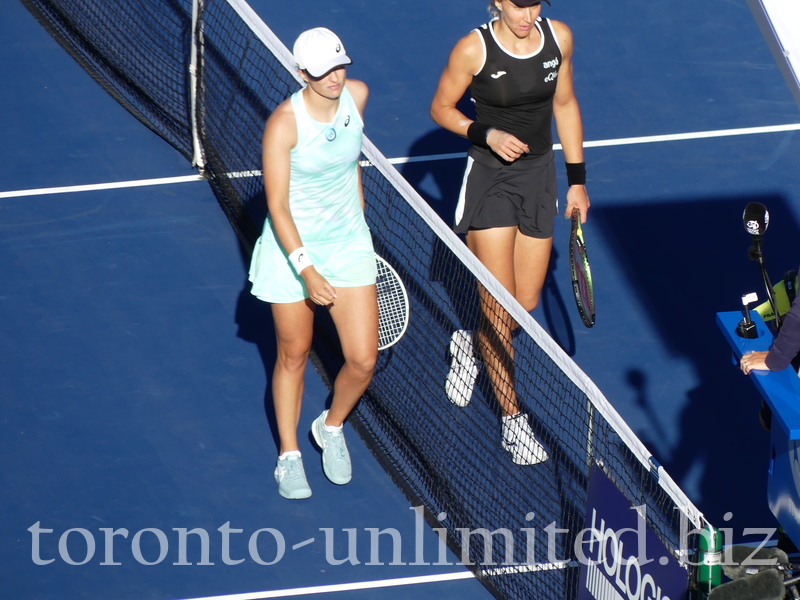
515 93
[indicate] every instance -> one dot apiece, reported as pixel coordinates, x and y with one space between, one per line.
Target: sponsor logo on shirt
498 75
550 64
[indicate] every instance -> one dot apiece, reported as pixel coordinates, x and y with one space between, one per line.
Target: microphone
756 221
744 561
766 585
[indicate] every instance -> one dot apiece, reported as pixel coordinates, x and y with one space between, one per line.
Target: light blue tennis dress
325 206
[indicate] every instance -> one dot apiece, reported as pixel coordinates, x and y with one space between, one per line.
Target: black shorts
523 194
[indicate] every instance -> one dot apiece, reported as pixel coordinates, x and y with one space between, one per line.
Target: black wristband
576 173
477 132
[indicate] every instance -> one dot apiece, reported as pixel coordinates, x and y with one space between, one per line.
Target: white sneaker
463 369
518 439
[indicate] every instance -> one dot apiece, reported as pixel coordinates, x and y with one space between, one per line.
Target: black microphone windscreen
739 561
766 585
755 218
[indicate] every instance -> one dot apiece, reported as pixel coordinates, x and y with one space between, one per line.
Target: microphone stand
755 253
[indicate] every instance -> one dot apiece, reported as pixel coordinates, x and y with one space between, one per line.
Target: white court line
384 583
343 587
672 137
694 136
102 186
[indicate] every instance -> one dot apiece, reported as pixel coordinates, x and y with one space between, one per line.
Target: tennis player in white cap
316 250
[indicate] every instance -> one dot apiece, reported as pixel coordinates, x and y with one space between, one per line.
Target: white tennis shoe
463 369
518 439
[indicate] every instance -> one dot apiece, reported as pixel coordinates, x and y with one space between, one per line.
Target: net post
195 67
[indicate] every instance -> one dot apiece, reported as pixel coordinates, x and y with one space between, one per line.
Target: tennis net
205 75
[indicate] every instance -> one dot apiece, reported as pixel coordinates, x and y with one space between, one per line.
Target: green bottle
709 559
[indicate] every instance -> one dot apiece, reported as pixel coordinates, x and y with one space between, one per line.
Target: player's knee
363 364
293 359
530 302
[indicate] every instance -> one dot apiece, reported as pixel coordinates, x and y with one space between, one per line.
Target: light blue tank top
325 206
323 186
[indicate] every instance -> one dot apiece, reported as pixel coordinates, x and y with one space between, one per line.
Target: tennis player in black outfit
518 69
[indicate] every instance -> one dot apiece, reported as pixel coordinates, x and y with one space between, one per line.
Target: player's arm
465 60
280 136
567 116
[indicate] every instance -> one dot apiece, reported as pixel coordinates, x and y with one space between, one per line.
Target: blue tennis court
135 363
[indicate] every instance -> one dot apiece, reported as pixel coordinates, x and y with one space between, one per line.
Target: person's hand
754 361
577 199
505 145
319 290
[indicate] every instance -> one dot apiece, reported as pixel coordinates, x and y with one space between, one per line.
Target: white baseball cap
318 51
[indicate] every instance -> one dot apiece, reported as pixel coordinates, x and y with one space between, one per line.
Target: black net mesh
138 51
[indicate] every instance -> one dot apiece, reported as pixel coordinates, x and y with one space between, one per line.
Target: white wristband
299 259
